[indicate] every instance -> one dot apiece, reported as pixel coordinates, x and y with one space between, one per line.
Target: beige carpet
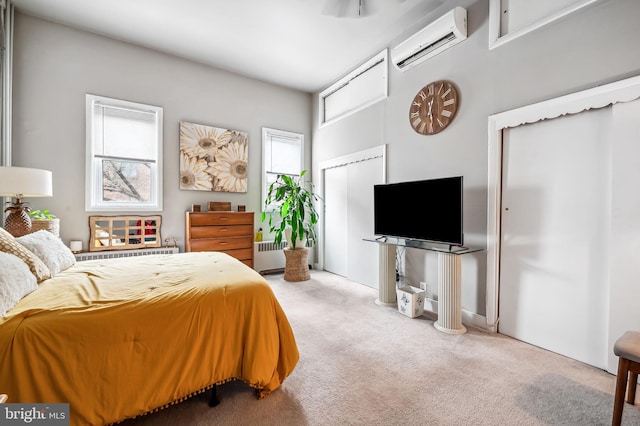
363 364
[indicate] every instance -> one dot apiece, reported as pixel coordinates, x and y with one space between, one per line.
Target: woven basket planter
51 225
296 266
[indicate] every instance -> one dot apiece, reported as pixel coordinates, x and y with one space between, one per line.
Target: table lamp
20 182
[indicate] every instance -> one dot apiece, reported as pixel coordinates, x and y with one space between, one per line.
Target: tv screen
428 210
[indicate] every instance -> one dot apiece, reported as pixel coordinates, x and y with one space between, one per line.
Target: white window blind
362 87
125 133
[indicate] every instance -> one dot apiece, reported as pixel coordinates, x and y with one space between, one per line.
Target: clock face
434 107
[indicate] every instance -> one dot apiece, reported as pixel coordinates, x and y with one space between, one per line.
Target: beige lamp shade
22 182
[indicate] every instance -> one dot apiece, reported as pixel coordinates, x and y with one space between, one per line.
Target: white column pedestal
386 275
449 294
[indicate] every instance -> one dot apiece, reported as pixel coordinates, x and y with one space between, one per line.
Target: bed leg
213 400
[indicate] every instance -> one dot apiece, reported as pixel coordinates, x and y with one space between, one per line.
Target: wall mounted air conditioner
446 31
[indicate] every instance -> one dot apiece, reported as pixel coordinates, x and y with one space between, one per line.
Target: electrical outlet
423 285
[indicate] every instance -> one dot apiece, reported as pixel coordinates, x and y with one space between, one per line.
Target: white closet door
554 248
348 200
363 255
335 222
624 266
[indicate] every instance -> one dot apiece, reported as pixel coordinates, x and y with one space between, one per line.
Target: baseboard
271 271
468 317
276 271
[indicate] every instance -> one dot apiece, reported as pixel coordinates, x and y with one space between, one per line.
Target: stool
627 348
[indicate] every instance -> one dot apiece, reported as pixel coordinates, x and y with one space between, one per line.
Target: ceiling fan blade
355 8
343 8
372 7
336 8
362 9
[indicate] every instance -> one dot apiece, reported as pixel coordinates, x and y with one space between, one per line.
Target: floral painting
212 159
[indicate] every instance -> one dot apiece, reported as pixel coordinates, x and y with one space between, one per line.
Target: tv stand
449 279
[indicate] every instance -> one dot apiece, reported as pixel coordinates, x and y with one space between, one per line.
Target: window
282 153
510 19
124 156
362 87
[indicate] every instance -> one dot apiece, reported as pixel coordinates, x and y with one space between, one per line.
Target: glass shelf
449 277
424 245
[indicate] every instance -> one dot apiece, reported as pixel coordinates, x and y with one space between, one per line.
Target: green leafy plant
41 215
289 204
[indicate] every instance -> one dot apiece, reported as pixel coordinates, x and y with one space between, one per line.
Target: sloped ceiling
301 44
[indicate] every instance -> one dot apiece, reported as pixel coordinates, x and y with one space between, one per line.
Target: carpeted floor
363 364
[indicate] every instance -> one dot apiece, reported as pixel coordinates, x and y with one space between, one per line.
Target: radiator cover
124 253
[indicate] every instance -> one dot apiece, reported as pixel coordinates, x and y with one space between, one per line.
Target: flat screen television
427 210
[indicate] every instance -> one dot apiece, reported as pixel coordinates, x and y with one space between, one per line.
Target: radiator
124 253
268 257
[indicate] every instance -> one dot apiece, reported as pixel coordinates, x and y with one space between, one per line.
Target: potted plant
292 213
43 219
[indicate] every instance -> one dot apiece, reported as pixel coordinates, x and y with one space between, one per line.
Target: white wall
54 66
593 46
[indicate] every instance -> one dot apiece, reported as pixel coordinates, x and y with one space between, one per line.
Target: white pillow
16 281
8 244
50 249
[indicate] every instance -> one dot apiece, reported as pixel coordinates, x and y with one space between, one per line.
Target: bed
119 338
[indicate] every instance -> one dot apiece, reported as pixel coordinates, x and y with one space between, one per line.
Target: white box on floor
410 301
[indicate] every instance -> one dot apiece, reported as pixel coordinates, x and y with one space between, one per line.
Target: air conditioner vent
445 32
426 50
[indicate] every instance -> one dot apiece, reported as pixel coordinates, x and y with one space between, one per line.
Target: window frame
342 85
94 183
499 36
266 134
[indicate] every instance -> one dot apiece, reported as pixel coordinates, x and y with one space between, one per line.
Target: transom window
124 155
359 89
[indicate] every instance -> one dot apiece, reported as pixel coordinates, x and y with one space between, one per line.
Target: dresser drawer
241 254
221 218
221 231
222 244
228 232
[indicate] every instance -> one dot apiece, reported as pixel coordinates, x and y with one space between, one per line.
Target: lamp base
18 223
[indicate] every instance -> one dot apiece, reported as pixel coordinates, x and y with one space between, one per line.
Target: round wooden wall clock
434 107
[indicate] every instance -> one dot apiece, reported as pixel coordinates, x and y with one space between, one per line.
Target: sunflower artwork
212 159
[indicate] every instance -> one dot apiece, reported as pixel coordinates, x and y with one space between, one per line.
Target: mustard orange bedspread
118 338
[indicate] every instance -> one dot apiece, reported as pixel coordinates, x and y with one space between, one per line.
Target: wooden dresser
228 232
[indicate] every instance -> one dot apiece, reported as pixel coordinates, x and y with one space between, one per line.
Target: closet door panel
554 243
363 255
335 222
